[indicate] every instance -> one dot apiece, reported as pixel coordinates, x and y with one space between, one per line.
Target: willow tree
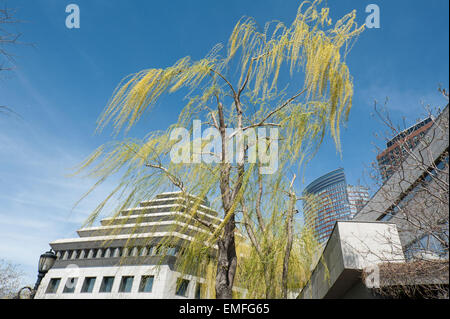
282 252
289 79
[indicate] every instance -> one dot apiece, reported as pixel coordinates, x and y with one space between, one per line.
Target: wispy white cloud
36 196
403 102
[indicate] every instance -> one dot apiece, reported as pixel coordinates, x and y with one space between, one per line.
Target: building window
117 252
126 284
92 253
103 253
107 253
82 254
70 285
107 284
428 244
157 250
172 251
182 286
88 284
134 252
198 291
53 285
151 250
386 217
146 284
142 251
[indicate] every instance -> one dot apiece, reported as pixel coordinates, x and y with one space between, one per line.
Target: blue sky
61 84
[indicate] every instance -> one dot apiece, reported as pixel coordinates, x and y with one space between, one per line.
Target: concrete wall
352 247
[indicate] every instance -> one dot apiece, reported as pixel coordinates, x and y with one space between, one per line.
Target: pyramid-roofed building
121 258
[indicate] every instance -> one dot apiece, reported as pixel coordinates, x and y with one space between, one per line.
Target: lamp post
46 261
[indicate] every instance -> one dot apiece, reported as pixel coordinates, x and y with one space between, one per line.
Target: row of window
115 252
388 162
176 198
409 130
166 209
428 244
404 201
126 282
106 286
330 220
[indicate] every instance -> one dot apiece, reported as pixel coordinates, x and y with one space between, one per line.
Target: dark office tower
328 199
397 147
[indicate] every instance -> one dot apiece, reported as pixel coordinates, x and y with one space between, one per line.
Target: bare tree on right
415 196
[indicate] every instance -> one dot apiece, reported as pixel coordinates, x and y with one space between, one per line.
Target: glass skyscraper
358 196
328 199
396 148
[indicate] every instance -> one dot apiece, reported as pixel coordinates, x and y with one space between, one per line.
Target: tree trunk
287 253
227 261
269 275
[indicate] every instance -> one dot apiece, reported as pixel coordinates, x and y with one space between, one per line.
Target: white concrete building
352 248
401 234
415 197
102 264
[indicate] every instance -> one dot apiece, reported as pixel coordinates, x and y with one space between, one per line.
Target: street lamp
46 261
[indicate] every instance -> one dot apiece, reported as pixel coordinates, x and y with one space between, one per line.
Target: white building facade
102 263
